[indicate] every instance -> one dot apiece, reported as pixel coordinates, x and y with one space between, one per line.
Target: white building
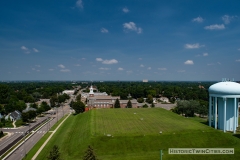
223 105
68 92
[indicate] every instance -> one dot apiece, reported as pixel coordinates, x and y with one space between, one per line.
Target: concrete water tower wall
229 114
223 105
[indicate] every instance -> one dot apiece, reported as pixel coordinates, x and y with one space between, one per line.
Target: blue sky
119 40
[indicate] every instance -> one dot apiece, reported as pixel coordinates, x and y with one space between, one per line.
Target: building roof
98 97
225 88
126 101
15 114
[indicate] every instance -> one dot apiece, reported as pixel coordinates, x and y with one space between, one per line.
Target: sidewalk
44 144
14 126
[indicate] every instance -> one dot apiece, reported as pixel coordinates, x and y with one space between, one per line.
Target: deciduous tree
79 107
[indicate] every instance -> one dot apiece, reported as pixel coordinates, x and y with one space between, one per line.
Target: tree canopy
129 104
89 154
78 106
117 104
189 108
54 153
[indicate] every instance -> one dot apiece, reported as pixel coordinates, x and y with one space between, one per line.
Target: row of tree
129 104
191 107
55 154
172 90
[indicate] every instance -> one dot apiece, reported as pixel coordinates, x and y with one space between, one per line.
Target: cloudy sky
119 40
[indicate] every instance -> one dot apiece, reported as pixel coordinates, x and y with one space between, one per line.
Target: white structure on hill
223 105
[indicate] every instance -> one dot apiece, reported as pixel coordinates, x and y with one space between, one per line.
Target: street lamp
57 114
29 127
24 141
62 109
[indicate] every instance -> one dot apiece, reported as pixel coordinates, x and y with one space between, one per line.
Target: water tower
223 105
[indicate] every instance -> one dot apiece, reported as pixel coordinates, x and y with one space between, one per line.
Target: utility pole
24 145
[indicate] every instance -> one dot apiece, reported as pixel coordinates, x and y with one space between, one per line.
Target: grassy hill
118 134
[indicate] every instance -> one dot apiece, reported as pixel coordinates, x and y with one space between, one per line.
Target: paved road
17 133
27 146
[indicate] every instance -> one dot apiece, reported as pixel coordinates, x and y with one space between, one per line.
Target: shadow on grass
205 123
237 135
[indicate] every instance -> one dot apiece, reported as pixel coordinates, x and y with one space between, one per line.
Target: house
13 116
68 92
164 99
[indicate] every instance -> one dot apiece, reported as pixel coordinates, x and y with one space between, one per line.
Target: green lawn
135 135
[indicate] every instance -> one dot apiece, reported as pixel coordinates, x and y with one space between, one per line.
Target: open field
135 135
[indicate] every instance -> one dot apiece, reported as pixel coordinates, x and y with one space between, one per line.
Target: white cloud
104 30
227 19
215 27
25 49
198 19
141 65
111 61
77 65
35 50
99 59
162 69
239 49
83 58
125 10
129 72
120 69
205 54
189 62
104 68
139 58
61 66
65 70
51 69
193 46
79 4
238 60
149 68
219 63
37 65
131 26
33 69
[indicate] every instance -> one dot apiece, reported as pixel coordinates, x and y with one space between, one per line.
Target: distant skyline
120 40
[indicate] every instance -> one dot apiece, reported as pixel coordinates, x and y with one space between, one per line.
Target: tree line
189 108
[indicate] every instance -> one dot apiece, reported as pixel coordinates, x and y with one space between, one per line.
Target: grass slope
135 135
